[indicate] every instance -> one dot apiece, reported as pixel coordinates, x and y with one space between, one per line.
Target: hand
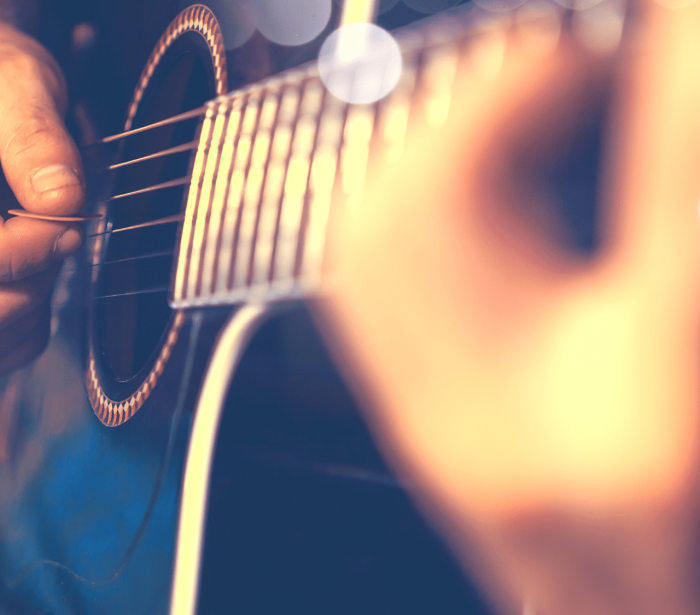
542 405
43 173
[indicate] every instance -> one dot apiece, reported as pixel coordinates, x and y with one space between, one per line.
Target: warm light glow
577 5
441 68
600 27
499 6
291 23
353 159
358 11
360 63
539 25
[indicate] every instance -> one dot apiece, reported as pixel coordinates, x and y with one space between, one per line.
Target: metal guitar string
172 150
187 115
135 258
180 181
157 222
145 291
157 487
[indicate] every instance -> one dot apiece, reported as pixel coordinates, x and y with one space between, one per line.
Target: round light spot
431 6
360 63
288 22
539 25
577 5
84 36
384 5
600 27
499 6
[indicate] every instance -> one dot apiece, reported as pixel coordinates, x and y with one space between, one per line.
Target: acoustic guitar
192 488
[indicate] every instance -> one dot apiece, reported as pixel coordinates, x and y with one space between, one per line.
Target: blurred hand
542 405
43 174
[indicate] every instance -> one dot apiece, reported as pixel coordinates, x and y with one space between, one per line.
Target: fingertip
57 189
69 241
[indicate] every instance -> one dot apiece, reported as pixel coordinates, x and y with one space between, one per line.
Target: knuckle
27 62
17 64
34 130
8 269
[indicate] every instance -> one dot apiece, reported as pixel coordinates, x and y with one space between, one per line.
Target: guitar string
161 186
157 222
159 254
180 181
145 291
166 152
181 117
157 487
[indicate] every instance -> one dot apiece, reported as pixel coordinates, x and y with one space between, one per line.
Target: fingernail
68 243
53 177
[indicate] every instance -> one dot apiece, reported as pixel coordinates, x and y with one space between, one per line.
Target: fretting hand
543 406
43 172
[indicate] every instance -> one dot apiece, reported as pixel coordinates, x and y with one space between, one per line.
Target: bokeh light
384 5
539 24
577 5
676 4
600 27
360 63
288 22
499 6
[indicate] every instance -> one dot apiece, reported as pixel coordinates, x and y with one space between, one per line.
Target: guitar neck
272 159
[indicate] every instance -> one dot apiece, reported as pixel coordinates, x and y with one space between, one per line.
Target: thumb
39 159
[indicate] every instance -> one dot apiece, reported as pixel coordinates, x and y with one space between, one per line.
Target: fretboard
274 157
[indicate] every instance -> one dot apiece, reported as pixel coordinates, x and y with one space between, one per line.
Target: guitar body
185 444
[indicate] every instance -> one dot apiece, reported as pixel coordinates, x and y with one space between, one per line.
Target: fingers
20 298
653 183
26 338
30 246
39 159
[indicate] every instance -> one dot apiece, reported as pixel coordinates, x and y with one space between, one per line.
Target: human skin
42 174
541 406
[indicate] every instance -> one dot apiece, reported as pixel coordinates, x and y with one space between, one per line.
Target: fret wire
169 184
280 150
299 183
284 175
359 127
182 269
438 71
324 174
241 237
303 219
206 192
145 291
395 111
254 188
135 258
296 184
158 222
221 191
166 152
241 164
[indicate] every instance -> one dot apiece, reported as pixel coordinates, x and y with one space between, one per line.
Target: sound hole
131 308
